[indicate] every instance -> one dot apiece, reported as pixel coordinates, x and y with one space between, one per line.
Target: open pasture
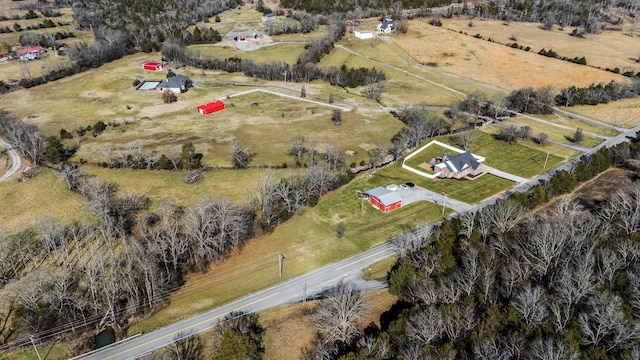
559 134
268 53
491 63
607 49
623 113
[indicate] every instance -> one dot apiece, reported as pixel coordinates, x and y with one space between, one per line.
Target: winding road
15 160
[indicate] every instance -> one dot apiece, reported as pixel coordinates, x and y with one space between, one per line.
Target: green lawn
563 135
307 241
515 158
431 152
286 52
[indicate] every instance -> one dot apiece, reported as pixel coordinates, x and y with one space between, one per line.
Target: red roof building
30 53
153 66
384 199
210 107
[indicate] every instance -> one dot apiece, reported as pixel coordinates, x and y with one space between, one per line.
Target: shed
210 107
363 34
384 199
153 66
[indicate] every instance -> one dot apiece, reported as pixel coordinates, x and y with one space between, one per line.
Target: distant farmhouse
268 17
387 26
242 36
459 166
176 84
30 53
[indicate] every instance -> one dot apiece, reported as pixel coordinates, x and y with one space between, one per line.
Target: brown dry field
594 192
607 49
289 329
624 113
491 63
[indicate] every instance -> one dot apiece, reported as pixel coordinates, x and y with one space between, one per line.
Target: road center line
364 258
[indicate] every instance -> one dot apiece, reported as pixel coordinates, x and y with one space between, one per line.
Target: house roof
386 196
246 33
459 163
28 50
177 81
153 63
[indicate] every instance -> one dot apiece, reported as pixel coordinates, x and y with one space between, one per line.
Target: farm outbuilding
210 107
363 34
153 66
384 199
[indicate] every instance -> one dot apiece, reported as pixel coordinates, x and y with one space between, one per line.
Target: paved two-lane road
15 160
288 292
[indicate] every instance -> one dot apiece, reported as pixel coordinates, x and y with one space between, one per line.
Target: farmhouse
363 34
387 26
210 107
268 17
242 36
153 66
458 166
176 84
30 53
384 199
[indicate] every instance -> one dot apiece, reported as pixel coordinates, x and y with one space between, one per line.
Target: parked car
392 187
410 184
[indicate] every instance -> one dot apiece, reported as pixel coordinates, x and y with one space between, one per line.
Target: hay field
273 52
492 63
624 113
607 49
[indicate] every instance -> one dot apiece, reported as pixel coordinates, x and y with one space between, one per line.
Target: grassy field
559 134
491 63
607 49
276 52
431 152
624 113
307 241
44 196
515 158
163 186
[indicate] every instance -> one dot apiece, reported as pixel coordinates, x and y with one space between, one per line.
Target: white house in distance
30 53
363 34
387 26
242 36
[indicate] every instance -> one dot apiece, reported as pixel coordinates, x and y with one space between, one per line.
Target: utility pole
280 262
304 294
34 347
545 160
285 76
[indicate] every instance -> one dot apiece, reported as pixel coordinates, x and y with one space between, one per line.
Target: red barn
384 199
153 66
210 107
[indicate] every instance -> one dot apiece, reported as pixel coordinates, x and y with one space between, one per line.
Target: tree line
508 282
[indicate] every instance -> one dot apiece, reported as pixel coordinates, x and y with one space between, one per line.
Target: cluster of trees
504 282
44 40
367 7
82 277
550 53
542 100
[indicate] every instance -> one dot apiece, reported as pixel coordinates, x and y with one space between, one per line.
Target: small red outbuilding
384 199
210 107
153 66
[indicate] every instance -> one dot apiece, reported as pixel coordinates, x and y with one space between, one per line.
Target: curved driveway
15 160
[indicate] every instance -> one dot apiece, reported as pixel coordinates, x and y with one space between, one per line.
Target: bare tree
188 347
425 326
337 315
549 349
297 149
240 158
530 305
464 139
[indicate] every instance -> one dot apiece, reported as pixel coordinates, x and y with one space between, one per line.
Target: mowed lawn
274 52
516 158
559 134
307 241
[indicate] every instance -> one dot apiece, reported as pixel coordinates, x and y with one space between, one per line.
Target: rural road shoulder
16 163
291 291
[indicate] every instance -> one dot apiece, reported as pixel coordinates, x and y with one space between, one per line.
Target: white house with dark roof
387 26
176 84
